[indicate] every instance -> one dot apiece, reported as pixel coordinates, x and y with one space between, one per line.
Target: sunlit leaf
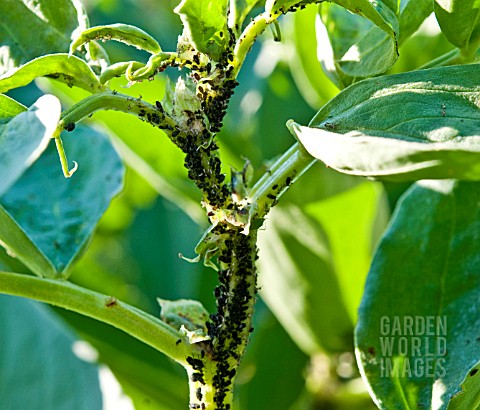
435 134
419 321
31 29
351 47
63 67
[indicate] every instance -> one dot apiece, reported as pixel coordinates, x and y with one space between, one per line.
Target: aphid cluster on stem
229 327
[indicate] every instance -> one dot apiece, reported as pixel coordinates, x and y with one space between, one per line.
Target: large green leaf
419 321
63 67
412 15
351 47
57 214
205 24
435 134
38 369
31 29
298 282
460 22
24 135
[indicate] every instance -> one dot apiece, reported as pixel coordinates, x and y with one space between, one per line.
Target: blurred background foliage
315 247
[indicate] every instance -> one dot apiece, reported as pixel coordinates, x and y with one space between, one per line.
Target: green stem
443 60
455 56
275 182
117 102
107 309
256 27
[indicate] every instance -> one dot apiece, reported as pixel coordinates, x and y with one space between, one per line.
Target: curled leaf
124 33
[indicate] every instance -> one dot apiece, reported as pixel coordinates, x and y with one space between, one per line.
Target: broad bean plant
298 243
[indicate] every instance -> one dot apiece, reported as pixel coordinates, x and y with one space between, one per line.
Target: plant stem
455 56
256 27
117 102
140 325
275 182
231 326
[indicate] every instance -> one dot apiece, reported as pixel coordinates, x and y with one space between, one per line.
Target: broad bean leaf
418 125
63 67
205 24
298 281
24 135
419 320
31 29
56 214
469 396
38 367
412 15
460 22
350 47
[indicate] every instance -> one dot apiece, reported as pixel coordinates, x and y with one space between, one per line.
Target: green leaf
37 363
435 134
469 396
460 22
125 33
9 108
351 47
63 67
419 321
205 24
57 214
18 245
24 135
412 15
296 266
31 29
